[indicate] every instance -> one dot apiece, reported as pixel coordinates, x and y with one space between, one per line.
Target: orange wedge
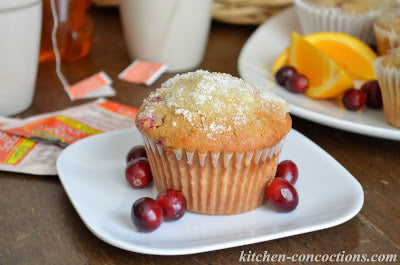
326 78
351 54
282 60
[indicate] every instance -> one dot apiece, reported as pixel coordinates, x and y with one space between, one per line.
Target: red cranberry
136 152
297 83
287 170
282 195
373 92
354 99
146 214
160 141
156 99
138 173
148 123
173 204
284 73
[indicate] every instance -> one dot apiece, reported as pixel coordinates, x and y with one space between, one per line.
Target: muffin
215 138
387 31
354 17
387 70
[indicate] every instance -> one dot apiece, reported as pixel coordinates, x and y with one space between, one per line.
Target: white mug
174 32
20 27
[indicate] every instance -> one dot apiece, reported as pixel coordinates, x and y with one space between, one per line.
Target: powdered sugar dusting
213 102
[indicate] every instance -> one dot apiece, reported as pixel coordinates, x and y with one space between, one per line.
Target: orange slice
351 54
282 60
326 78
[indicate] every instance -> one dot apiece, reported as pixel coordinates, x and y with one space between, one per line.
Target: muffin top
389 21
355 6
392 59
213 112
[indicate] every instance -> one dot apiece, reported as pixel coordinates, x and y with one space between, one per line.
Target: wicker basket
242 12
106 3
247 12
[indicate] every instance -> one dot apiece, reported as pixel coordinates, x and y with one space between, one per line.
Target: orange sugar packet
69 125
142 72
97 85
21 154
32 145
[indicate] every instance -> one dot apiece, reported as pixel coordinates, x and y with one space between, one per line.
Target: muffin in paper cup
387 31
387 70
354 17
215 138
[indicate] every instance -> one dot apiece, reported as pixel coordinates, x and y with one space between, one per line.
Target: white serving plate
255 63
92 173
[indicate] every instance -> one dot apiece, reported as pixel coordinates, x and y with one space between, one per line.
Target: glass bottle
74 33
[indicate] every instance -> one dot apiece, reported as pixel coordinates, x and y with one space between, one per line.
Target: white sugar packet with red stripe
98 85
142 72
32 145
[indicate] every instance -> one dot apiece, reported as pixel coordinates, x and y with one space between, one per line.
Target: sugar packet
20 154
142 72
98 85
32 145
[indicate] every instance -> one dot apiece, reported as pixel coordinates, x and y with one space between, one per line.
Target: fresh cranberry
282 195
173 204
138 173
146 214
136 152
373 92
354 99
297 83
287 170
284 73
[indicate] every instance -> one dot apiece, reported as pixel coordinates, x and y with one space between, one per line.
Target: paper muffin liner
221 183
385 39
389 81
314 18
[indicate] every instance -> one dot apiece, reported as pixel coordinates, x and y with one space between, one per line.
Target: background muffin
387 31
354 17
387 70
214 137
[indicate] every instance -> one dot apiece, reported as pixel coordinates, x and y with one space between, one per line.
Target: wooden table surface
39 225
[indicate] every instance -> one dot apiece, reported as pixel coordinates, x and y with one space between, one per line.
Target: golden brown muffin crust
356 6
213 112
390 21
392 59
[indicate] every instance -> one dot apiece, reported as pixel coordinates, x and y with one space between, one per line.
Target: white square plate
255 63
92 173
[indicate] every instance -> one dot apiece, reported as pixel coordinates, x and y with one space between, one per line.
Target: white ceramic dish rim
198 246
